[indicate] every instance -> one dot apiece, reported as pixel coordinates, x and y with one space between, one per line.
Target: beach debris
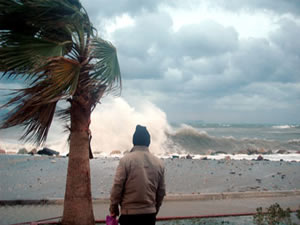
115 152
53 161
260 158
47 151
2 151
258 180
23 151
175 156
189 156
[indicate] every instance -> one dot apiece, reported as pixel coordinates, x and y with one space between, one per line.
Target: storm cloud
206 69
212 67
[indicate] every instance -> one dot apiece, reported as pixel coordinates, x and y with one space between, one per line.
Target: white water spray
114 122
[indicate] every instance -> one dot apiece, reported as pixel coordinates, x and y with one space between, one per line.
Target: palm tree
52 46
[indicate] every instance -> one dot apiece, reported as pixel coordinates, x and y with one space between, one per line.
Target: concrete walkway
173 206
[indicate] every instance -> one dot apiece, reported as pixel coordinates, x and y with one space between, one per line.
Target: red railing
53 220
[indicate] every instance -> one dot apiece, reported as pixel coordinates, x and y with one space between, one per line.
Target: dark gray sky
216 61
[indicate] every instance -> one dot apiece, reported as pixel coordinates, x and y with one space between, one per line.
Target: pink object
111 220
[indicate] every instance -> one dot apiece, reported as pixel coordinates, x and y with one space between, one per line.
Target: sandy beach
41 177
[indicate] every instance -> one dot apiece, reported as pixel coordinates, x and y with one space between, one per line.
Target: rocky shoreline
43 177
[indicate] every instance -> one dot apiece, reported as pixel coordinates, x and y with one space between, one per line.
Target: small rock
281 160
282 176
220 152
189 156
258 180
23 151
53 161
210 152
259 158
251 151
232 172
204 158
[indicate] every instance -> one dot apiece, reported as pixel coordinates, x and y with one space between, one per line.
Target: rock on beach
23 151
48 151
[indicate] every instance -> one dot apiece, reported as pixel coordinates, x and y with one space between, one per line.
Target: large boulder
2 151
261 151
47 151
23 151
32 152
282 151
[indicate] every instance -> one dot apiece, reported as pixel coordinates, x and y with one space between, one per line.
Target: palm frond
106 69
36 118
34 107
51 43
24 56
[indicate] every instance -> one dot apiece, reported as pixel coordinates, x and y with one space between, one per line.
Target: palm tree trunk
78 207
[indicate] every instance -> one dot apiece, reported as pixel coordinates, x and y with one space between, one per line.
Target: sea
113 124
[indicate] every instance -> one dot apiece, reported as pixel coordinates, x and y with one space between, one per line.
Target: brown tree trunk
78 207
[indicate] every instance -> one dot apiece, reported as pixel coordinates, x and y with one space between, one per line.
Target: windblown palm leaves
52 46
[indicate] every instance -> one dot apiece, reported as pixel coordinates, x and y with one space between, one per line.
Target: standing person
139 184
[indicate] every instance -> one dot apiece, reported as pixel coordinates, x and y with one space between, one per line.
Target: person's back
139 186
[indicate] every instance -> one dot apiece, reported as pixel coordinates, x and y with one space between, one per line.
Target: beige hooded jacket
139 185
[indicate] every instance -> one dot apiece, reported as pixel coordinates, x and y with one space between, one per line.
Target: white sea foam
283 126
113 124
271 157
294 141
